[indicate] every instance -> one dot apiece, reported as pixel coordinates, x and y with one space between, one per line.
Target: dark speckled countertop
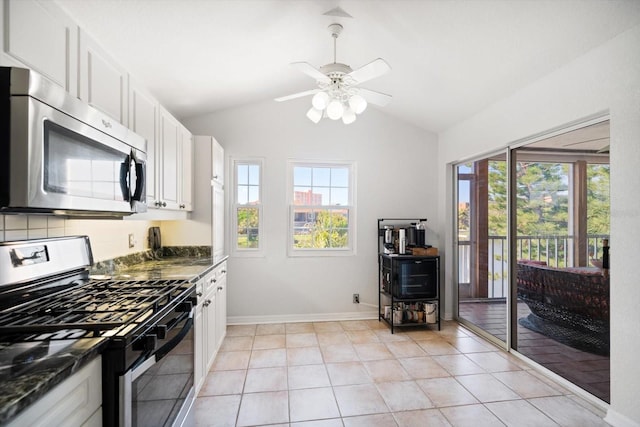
24 378
29 370
177 262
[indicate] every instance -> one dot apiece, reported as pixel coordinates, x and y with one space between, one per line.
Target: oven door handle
162 351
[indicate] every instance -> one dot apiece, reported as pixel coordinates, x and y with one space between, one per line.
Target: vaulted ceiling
449 59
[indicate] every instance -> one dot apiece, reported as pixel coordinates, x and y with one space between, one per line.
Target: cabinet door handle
215 176
206 303
220 288
223 271
182 206
164 204
198 294
214 280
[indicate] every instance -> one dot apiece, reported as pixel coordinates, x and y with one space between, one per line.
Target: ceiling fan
338 94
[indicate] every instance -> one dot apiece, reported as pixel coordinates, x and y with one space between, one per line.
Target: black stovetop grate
94 306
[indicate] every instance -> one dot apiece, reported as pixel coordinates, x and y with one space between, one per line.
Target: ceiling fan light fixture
314 114
335 109
357 103
338 94
320 100
349 116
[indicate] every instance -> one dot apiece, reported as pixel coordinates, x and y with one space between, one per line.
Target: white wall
396 177
605 79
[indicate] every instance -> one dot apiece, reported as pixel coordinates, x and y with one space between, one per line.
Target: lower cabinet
221 304
210 321
77 401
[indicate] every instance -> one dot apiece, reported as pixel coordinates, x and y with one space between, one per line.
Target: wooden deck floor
586 370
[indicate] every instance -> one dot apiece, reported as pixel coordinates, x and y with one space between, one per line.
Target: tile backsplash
109 238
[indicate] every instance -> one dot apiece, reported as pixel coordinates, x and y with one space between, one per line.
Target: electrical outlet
356 298
132 240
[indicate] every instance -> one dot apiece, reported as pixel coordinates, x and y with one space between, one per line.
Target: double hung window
322 211
247 207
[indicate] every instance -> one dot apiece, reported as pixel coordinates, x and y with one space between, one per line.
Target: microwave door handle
140 183
124 178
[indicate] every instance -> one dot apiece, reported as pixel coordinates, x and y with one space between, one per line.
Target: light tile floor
357 373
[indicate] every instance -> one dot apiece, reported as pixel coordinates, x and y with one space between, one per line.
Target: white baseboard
306 317
618 420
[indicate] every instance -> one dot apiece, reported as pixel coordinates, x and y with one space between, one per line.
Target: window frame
234 206
350 250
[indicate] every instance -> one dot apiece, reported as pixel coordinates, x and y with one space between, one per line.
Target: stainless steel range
47 296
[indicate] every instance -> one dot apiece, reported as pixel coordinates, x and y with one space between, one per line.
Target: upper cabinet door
143 120
169 143
103 83
186 176
44 39
218 163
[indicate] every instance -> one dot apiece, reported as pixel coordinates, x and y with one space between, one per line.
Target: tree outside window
247 208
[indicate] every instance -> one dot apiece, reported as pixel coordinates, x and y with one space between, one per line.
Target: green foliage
248 226
542 198
598 199
330 230
543 204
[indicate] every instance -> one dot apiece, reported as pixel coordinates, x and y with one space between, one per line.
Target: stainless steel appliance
59 155
388 246
48 298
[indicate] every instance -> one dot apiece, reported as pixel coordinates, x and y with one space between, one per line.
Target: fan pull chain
335 39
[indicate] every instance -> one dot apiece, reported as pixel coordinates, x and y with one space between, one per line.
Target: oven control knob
161 331
145 343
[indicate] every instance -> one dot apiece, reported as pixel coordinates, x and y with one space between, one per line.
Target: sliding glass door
482 250
551 301
562 228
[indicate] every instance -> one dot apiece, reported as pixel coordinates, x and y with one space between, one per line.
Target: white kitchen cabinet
169 163
38 35
217 175
205 329
186 177
209 320
143 120
76 401
221 303
217 226
103 83
199 337
217 183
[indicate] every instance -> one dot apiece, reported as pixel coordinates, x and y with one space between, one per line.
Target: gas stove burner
92 306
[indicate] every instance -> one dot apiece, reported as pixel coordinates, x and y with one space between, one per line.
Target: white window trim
328 252
246 252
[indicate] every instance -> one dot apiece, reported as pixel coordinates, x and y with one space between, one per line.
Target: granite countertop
29 369
188 263
186 268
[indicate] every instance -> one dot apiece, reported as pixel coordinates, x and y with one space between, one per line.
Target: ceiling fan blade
373 69
373 97
298 95
311 71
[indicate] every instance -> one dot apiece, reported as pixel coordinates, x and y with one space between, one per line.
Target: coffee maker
389 246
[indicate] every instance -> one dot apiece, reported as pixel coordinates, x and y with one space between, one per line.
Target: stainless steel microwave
59 155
